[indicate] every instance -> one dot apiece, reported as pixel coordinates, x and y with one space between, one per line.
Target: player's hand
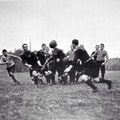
57 60
47 73
39 63
103 64
43 68
67 70
30 66
35 74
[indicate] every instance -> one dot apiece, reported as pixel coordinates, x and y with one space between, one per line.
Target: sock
90 84
102 75
108 82
14 79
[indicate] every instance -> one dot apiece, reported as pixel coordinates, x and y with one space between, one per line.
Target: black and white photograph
59 59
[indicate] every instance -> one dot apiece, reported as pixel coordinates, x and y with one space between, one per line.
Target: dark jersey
95 57
89 65
82 55
41 56
54 65
58 53
29 58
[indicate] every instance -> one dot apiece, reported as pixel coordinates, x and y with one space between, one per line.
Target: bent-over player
89 67
30 60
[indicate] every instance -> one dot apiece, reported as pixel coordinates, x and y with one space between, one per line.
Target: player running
10 65
89 67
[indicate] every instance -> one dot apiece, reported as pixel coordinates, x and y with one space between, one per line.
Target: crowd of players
77 63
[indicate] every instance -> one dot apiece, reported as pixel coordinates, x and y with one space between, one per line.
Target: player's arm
36 57
2 62
76 56
94 54
28 65
107 58
15 56
25 63
39 63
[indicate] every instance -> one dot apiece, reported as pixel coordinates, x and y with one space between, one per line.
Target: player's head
35 52
4 52
53 44
75 43
97 47
43 46
102 46
25 47
82 47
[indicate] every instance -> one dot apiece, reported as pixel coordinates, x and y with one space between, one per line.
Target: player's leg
79 72
37 77
50 75
47 79
11 72
102 71
52 78
98 67
62 77
107 82
72 74
52 70
31 75
88 81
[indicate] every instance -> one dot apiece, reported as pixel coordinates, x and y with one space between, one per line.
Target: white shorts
84 77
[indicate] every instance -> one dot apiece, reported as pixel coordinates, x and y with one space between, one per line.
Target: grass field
70 102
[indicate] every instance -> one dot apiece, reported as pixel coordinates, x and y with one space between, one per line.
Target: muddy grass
70 102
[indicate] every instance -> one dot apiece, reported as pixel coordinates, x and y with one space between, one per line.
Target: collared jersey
8 59
41 56
101 54
58 53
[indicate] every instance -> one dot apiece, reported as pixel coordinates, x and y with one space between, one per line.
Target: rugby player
56 62
70 58
89 67
41 54
10 65
30 60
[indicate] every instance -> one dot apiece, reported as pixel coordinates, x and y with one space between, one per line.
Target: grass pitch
68 102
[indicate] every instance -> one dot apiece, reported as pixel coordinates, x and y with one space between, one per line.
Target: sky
90 21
